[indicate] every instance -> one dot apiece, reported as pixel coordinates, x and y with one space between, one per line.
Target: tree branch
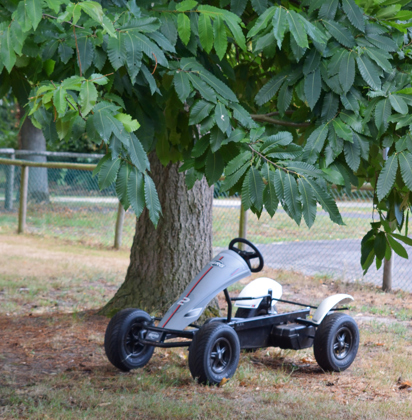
266 119
65 21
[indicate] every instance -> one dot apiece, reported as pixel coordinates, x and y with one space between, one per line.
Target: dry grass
52 364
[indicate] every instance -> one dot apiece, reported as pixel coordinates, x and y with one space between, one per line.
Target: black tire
214 353
336 342
121 341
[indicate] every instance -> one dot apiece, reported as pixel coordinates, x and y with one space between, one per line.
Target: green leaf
397 247
382 113
280 185
183 28
398 104
7 54
405 163
279 25
86 52
284 98
340 33
105 158
238 6
342 130
292 198
222 117
326 201
317 35
129 124
245 193
232 179
152 200
380 245
121 184
352 155
347 71
186 5
387 177
259 5
135 191
315 143
382 42
270 199
268 91
313 84
205 91
233 23
297 29
93 9
328 9
369 72
263 21
200 146
216 139
88 97
312 62
205 32
59 100
214 167
106 124
199 111
404 239
354 14
308 202
134 54
330 106
138 154
283 138
256 187
219 31
108 173
237 162
244 118
218 86
182 85
116 52
379 58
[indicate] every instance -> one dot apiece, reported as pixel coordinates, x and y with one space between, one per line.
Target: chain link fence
68 204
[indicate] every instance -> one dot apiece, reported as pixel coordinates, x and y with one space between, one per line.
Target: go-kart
214 347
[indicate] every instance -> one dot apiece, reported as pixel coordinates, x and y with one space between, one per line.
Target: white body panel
225 269
259 287
327 304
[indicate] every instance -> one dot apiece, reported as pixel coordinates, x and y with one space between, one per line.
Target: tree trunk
31 138
387 274
164 260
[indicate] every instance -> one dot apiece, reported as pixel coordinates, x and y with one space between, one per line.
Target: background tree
283 98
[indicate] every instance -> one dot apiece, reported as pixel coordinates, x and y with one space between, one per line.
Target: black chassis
289 330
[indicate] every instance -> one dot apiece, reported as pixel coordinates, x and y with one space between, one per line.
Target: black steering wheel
248 255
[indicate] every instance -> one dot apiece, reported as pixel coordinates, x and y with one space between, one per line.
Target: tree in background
284 98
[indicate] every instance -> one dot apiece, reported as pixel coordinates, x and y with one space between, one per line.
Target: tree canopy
284 98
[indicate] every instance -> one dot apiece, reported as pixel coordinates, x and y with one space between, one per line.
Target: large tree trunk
164 260
31 138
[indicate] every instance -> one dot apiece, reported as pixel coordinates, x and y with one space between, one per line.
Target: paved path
338 258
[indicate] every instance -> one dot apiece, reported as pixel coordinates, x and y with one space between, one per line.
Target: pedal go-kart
214 347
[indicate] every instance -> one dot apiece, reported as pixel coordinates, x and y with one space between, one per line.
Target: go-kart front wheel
336 342
122 339
214 353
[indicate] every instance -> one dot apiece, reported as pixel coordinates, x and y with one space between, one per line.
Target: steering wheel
248 255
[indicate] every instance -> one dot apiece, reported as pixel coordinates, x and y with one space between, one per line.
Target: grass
93 224
52 361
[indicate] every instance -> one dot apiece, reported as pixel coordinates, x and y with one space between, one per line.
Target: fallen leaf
223 381
405 384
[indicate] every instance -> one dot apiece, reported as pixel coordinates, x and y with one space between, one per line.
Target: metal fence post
119 226
242 225
24 182
8 199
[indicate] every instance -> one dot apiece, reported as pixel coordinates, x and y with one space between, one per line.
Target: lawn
94 224
52 361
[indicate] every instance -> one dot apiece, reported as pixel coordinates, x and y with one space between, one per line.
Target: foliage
8 122
200 84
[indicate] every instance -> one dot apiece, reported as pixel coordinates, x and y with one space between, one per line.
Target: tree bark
31 138
164 260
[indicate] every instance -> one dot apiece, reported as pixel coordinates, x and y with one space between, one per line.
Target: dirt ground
37 345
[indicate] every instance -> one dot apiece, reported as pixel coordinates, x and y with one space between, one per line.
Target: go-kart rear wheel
121 341
214 353
336 342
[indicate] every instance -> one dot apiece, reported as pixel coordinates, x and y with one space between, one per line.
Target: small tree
284 99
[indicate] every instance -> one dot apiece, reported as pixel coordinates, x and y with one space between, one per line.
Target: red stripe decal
221 258
191 290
